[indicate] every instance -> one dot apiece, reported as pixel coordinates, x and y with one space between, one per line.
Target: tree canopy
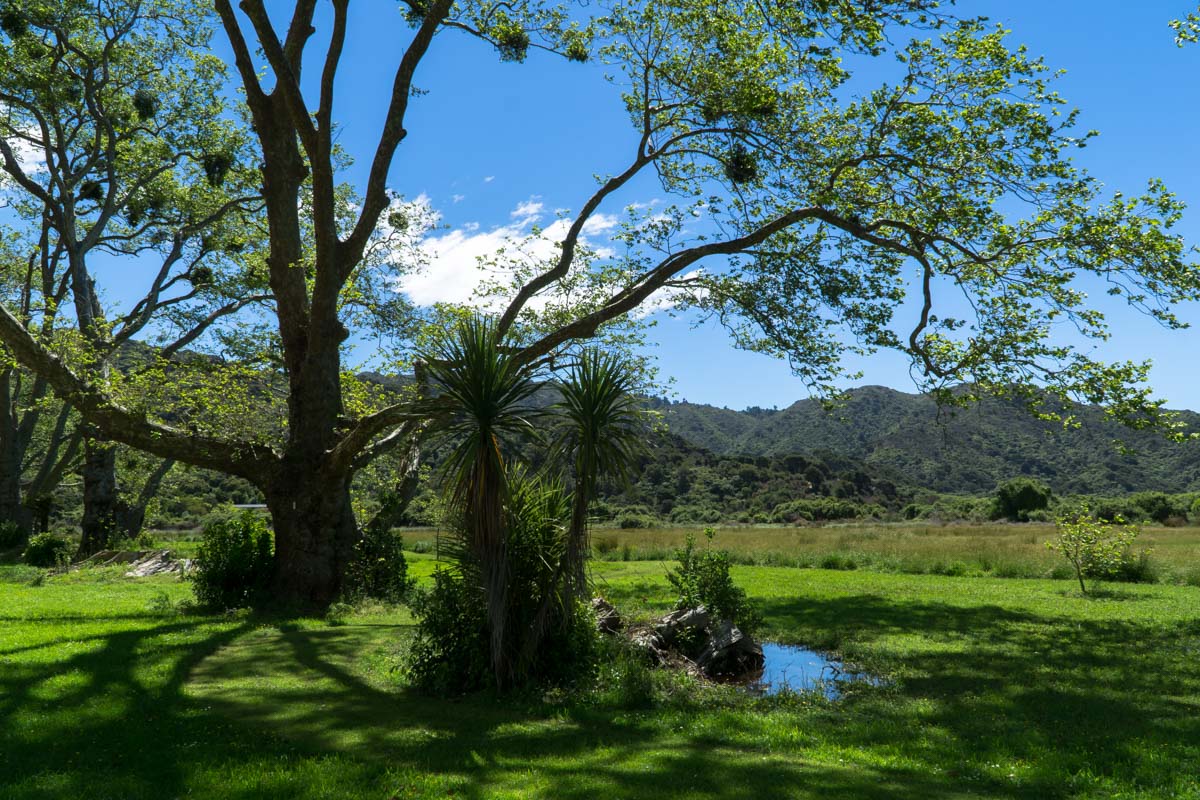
806 210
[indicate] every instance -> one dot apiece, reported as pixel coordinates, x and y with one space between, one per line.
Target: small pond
799 669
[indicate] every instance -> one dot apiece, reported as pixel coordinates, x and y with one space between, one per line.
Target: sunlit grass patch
1008 689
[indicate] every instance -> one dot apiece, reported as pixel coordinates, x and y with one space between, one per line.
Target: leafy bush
234 561
695 514
1098 549
1015 499
379 570
1156 506
48 550
451 653
1117 510
11 534
823 508
839 561
703 578
628 521
626 679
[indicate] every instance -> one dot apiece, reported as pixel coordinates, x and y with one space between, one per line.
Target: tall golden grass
999 549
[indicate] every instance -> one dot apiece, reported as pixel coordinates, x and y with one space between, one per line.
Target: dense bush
1017 498
1157 506
234 561
695 514
823 509
451 653
379 570
11 534
48 550
703 579
631 521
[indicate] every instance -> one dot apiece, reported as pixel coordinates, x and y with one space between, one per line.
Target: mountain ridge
967 450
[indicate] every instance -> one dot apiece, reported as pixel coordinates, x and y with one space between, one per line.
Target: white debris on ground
142 563
158 563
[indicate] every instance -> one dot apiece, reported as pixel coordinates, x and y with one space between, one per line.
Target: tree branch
375 199
250 461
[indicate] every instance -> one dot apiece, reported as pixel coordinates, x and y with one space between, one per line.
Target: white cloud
668 298
454 273
531 209
489 179
599 223
31 157
458 198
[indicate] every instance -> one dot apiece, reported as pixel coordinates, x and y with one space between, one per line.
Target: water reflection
798 669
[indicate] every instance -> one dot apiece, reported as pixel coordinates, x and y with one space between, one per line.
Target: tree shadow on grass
206 707
104 721
485 746
1055 695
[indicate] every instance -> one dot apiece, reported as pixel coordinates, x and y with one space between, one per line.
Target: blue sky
495 146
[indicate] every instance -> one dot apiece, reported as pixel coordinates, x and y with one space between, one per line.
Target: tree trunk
131 518
101 503
315 532
40 508
11 507
11 453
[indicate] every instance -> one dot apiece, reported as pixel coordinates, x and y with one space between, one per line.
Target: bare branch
375 199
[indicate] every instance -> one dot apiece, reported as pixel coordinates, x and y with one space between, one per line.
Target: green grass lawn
998 688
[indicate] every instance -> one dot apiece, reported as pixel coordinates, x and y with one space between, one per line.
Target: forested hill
951 450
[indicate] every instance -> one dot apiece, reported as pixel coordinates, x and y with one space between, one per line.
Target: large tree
818 211
113 152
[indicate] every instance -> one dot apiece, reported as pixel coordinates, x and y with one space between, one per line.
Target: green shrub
48 550
703 578
625 677
1118 510
823 508
838 561
1156 506
1137 569
695 514
628 521
1017 498
11 534
234 562
378 570
450 654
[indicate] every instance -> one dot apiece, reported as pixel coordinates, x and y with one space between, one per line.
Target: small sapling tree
1095 549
